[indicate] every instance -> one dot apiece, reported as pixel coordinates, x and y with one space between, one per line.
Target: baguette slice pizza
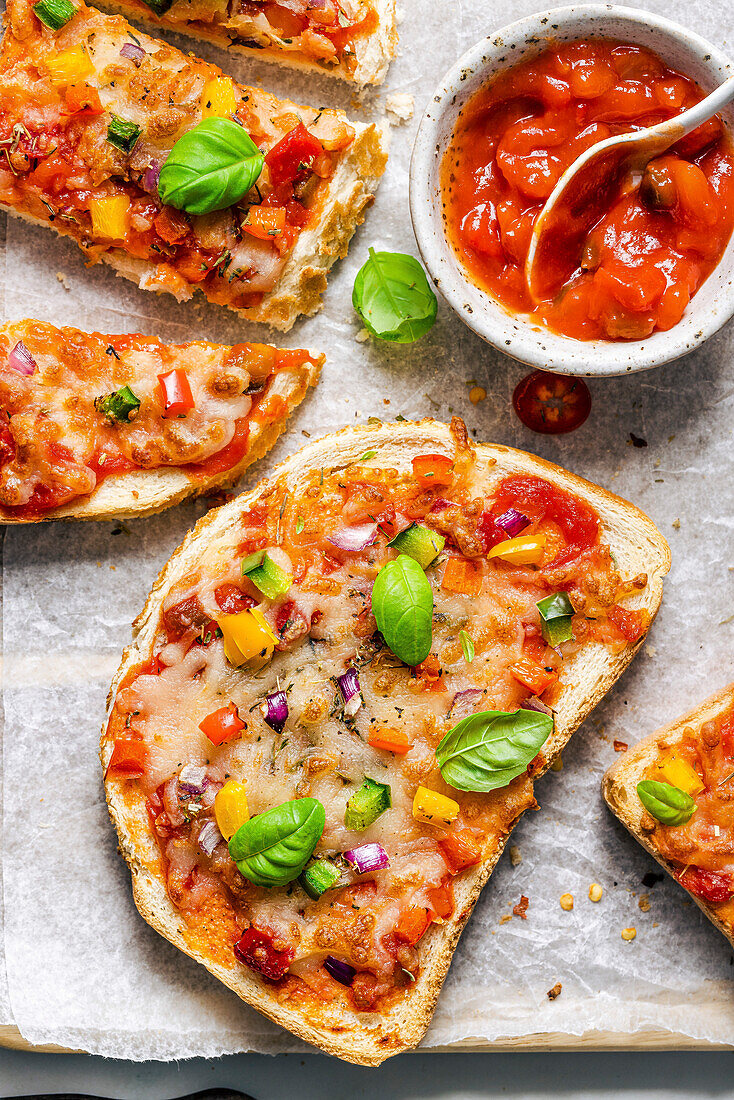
97 120
95 426
338 696
674 791
351 39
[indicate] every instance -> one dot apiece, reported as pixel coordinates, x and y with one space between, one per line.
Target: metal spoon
584 191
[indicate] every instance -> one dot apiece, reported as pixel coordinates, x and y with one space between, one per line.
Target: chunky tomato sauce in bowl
655 275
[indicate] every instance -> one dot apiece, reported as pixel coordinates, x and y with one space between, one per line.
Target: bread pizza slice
339 694
95 426
351 39
161 166
674 793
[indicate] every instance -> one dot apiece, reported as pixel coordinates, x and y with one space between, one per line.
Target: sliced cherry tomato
222 725
539 499
551 403
186 615
292 157
264 222
257 949
412 924
631 624
711 886
460 850
231 599
442 900
175 393
433 471
129 758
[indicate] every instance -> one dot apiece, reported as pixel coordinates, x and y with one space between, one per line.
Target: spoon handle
701 112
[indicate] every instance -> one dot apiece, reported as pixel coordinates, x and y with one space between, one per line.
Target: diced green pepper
318 877
266 575
55 14
123 134
420 543
121 405
556 616
366 804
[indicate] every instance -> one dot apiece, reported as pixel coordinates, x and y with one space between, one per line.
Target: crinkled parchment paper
83 969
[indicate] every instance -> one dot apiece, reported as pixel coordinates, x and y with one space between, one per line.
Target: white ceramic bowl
517 335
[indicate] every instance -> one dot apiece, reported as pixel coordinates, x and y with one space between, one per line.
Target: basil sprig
392 296
402 603
273 848
669 804
486 751
556 614
211 167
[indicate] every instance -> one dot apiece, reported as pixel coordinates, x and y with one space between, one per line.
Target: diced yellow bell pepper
247 636
524 550
230 808
434 808
680 774
218 98
70 67
110 217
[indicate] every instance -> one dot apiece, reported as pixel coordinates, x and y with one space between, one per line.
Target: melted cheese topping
58 440
326 625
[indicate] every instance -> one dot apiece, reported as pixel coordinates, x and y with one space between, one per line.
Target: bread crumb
676 524
521 909
477 394
629 934
644 903
650 650
620 746
507 916
362 336
557 765
595 891
515 855
555 991
63 280
400 106
566 901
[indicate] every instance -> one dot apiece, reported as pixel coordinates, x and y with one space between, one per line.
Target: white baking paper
83 969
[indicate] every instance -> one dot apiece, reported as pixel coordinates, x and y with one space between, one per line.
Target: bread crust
367 1039
374 51
146 492
620 782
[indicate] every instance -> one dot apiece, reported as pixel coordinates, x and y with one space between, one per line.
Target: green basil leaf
273 848
402 603
211 167
669 804
392 296
467 646
488 750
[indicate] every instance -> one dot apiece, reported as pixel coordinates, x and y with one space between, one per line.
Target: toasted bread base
619 785
369 1038
374 51
145 492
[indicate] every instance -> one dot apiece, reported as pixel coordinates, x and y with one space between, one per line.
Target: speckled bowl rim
515 335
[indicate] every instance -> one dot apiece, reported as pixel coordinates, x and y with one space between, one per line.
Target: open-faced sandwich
163 167
674 791
351 39
96 426
338 696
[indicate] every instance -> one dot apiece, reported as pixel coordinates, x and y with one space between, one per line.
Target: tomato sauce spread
194 737
659 236
701 850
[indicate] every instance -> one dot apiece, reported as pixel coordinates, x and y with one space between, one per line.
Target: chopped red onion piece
367 857
512 522
149 181
275 710
465 702
534 703
349 687
133 53
192 779
20 359
209 837
354 538
340 971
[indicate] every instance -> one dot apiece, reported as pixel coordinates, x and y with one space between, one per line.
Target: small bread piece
694 752
90 112
325 516
354 40
86 431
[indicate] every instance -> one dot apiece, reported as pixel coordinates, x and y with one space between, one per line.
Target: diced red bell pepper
711 886
532 675
293 156
231 599
256 949
222 725
460 850
264 222
433 471
412 924
81 99
175 393
129 758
